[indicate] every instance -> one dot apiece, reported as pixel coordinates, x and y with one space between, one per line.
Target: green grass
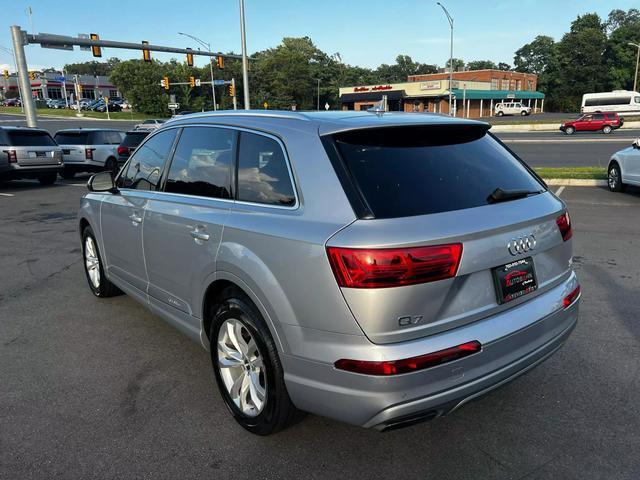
72 113
586 173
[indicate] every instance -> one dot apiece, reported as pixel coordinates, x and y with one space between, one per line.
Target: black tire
614 178
67 174
570 130
104 288
500 113
278 412
523 113
111 165
607 129
48 178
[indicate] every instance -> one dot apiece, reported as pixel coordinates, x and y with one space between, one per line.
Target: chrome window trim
295 206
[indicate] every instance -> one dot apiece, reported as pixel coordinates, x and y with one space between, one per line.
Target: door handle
135 218
199 235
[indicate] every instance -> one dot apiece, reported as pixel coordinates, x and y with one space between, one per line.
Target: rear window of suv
407 171
27 138
72 138
133 139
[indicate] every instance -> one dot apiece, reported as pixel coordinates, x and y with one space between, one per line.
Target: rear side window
598 116
202 163
263 176
146 164
107 138
27 138
406 171
72 138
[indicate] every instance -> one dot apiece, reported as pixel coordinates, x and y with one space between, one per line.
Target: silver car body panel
277 256
629 161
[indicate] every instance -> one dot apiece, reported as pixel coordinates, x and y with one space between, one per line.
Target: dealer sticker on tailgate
515 279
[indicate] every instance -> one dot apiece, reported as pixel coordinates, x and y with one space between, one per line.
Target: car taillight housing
407 365
123 150
393 267
12 157
572 297
88 153
564 224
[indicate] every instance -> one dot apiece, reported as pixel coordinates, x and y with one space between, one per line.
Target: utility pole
234 98
245 61
23 76
446 12
635 78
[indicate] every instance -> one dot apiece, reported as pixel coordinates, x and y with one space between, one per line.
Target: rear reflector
123 150
393 267
564 224
397 367
569 299
88 153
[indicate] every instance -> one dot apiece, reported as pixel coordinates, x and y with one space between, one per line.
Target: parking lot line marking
7 195
559 191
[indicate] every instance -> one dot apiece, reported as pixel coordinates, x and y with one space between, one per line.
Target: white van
621 101
512 108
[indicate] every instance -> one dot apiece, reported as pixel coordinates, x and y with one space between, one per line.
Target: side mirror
636 143
102 182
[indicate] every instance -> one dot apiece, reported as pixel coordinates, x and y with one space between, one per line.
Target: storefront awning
372 96
497 94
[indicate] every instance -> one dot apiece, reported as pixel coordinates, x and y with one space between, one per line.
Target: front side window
203 162
145 167
263 176
598 116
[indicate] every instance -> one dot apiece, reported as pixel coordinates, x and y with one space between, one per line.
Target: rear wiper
500 195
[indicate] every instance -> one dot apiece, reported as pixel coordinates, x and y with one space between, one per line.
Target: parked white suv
512 108
88 150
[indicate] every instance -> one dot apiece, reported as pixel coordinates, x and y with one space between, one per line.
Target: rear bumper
387 402
14 171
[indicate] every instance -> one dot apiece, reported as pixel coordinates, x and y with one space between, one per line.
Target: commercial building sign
431 85
372 89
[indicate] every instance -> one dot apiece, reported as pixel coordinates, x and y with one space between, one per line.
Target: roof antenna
379 107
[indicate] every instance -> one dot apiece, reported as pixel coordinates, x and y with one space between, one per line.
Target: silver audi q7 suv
379 269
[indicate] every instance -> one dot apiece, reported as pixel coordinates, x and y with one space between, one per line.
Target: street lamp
208 47
635 78
450 19
245 61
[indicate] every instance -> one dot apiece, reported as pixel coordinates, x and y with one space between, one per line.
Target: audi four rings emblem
521 244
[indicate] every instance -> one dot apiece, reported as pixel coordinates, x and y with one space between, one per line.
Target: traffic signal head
146 54
96 51
190 59
192 81
32 75
6 74
232 90
166 83
220 62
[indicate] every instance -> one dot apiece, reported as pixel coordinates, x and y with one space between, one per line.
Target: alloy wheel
241 367
613 178
92 262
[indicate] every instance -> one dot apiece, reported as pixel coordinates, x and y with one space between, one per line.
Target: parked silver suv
376 269
89 150
29 153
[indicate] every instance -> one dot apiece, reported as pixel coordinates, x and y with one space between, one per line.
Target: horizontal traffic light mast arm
43 38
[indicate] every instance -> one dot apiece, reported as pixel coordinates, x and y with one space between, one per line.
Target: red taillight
123 150
393 267
396 367
88 153
11 156
564 224
569 299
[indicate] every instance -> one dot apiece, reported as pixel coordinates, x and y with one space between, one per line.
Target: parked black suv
131 140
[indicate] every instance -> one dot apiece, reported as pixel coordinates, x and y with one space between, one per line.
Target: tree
139 82
619 56
505 67
92 68
481 65
458 64
535 57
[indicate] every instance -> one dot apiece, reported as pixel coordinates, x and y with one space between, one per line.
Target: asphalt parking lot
103 389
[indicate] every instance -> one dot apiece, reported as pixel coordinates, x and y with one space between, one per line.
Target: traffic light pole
23 77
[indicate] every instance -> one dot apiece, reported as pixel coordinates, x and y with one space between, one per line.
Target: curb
575 182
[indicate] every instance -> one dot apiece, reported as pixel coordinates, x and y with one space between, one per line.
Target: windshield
422 170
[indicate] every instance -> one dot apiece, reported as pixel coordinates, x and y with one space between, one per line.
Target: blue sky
365 33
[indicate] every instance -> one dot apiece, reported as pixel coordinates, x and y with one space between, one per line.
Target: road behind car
106 390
